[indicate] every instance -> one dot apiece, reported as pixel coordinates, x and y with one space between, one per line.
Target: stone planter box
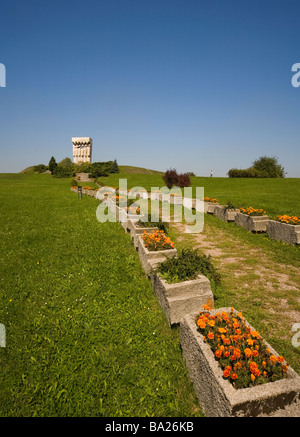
74 189
176 200
188 202
252 223
156 195
283 232
182 298
136 231
227 215
91 193
165 197
123 217
209 207
217 396
151 259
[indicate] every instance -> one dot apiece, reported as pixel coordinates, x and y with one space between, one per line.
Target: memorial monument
82 149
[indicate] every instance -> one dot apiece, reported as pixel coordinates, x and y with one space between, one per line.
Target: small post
80 192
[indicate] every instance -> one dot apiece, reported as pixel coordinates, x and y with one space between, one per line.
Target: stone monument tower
82 149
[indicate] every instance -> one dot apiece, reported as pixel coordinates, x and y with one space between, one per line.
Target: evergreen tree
52 164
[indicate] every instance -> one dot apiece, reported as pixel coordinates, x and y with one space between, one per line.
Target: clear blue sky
194 85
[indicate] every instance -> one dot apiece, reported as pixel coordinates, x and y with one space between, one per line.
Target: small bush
244 173
184 180
170 178
187 266
41 168
162 226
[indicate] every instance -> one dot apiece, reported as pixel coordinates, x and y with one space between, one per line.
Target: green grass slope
85 335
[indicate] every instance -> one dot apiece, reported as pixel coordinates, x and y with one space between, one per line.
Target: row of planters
233 370
281 228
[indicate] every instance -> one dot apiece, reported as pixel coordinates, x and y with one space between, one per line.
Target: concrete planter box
151 259
188 202
227 215
123 217
176 200
283 232
91 193
217 396
155 195
74 189
182 298
165 197
209 207
136 231
252 223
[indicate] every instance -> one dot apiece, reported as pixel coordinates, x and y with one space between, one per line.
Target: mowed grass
276 196
85 335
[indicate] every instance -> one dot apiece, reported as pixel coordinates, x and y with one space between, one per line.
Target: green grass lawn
276 196
85 335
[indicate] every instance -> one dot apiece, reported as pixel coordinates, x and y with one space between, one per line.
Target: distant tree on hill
268 167
52 164
64 169
263 167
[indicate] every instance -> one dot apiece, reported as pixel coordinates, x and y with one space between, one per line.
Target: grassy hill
129 169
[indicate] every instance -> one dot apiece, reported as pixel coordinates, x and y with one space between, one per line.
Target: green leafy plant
187 266
163 226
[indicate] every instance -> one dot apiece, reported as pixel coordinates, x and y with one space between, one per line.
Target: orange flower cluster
133 210
290 220
252 211
241 352
157 240
210 199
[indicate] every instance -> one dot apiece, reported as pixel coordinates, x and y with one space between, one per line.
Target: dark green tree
268 167
52 164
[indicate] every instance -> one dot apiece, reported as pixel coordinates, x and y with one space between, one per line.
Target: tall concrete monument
82 149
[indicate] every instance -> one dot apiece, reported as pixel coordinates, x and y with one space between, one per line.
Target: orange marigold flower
273 359
226 373
201 323
210 335
255 353
280 359
255 334
218 353
252 377
211 323
233 376
206 307
248 352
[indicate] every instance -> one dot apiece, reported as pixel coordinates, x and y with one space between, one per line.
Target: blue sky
194 85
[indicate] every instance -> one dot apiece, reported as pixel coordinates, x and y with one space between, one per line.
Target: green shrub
268 167
263 167
41 168
244 173
187 266
162 226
